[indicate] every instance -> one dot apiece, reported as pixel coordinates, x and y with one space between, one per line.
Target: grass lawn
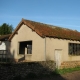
67 70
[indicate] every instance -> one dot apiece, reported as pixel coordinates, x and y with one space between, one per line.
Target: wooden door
58 56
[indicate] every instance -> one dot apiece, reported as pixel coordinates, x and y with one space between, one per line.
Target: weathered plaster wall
38 44
59 44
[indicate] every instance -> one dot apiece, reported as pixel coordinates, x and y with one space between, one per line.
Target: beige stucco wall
59 44
38 44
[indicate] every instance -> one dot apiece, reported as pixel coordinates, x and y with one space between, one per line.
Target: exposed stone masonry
70 64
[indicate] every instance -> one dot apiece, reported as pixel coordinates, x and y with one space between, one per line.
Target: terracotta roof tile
49 30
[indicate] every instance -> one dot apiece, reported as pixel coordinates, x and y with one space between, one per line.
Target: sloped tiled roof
49 30
4 37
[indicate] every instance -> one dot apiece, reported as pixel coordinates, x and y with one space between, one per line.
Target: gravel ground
72 76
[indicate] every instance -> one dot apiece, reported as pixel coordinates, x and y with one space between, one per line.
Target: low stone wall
11 70
70 64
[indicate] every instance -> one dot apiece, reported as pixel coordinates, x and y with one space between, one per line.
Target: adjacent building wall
4 49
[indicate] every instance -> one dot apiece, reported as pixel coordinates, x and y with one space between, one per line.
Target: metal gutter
45 48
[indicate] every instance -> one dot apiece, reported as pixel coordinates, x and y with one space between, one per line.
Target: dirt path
72 76
69 76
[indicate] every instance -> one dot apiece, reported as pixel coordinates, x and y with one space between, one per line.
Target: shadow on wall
21 59
10 55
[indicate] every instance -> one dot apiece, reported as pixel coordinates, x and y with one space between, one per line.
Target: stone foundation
69 64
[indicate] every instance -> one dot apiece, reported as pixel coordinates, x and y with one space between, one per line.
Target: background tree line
6 29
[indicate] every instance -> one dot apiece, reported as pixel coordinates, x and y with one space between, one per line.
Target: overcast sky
63 13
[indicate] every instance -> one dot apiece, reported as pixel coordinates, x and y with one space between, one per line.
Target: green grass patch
67 70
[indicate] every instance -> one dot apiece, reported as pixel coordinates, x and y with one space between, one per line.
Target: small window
74 49
23 45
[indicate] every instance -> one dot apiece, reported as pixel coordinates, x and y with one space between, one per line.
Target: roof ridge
49 25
